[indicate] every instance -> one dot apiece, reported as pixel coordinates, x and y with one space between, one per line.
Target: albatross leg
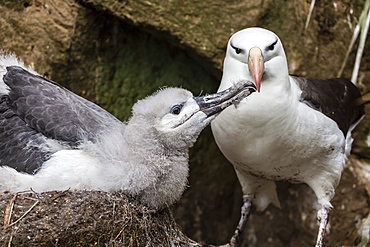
245 210
323 217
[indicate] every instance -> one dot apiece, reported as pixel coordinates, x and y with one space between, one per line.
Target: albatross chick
53 139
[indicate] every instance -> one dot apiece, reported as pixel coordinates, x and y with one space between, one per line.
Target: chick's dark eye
176 109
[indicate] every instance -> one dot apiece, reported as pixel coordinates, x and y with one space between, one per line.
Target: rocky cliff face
116 52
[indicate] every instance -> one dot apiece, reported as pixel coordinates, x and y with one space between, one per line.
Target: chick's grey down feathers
53 139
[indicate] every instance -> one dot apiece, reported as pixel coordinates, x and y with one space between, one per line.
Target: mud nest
84 218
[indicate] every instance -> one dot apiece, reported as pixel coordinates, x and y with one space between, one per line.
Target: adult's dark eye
176 109
272 46
237 50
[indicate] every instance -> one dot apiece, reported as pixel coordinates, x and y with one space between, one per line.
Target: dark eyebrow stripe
272 45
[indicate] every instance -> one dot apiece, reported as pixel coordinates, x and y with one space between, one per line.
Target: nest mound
84 218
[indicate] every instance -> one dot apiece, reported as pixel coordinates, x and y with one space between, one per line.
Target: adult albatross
52 139
295 129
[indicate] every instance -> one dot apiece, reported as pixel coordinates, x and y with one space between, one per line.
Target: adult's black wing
337 98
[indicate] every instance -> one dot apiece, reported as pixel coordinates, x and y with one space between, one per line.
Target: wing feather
39 117
53 110
336 98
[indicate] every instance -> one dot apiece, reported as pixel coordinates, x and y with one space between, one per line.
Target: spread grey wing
336 98
53 110
21 147
37 114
